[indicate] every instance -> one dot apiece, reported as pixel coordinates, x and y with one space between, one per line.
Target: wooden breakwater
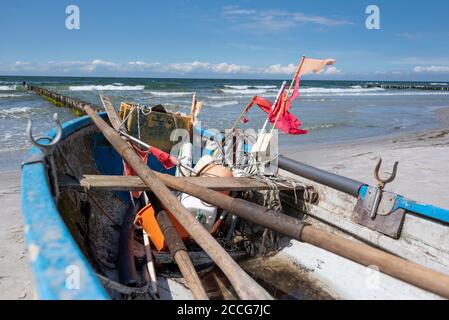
409 87
63 101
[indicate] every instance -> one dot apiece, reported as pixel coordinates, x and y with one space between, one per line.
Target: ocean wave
245 92
245 87
390 93
224 104
439 84
8 88
16 112
320 126
10 95
109 87
354 89
236 87
170 93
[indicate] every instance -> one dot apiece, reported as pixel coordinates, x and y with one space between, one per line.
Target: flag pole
284 84
262 134
288 93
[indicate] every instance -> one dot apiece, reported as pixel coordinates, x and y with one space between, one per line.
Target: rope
120 288
138 123
127 116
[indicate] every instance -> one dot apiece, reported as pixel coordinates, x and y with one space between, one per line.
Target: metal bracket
52 141
46 150
389 217
381 183
376 209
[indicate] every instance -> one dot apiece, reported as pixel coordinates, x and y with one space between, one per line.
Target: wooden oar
361 253
245 286
181 256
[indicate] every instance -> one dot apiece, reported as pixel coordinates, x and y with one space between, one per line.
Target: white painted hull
344 279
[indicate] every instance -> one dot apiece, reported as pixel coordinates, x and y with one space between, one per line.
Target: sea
332 111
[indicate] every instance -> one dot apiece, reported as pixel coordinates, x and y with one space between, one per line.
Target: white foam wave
265 87
320 126
170 93
236 87
355 89
247 92
439 84
224 104
10 95
8 88
17 112
246 87
109 87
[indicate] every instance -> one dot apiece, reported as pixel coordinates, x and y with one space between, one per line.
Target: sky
225 39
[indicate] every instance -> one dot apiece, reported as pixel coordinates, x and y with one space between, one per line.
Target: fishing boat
299 231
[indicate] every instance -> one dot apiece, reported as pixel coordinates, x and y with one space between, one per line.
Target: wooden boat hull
74 238
53 252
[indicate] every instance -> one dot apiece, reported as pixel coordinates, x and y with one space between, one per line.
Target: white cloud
276 20
98 66
21 63
432 69
188 67
62 66
332 70
291 69
279 69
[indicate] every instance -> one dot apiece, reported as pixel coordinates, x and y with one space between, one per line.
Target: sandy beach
423 173
423 161
15 272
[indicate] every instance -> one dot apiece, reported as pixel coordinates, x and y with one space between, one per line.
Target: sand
423 172
423 176
15 272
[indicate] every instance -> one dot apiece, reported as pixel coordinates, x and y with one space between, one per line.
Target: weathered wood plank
122 183
112 113
422 241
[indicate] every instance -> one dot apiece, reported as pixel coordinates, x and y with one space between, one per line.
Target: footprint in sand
339 167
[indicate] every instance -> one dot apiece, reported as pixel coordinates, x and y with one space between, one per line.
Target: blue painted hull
60 269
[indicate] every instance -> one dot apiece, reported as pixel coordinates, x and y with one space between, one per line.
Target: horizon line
202 78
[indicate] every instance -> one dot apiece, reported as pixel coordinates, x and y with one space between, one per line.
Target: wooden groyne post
63 101
409 87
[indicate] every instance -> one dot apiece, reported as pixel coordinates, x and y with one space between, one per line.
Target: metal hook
53 141
382 182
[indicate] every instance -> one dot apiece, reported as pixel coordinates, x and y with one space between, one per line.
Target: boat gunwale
60 269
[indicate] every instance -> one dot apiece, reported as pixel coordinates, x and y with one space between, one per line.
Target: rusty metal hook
52 141
382 182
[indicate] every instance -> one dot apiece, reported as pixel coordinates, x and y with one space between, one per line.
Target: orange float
147 219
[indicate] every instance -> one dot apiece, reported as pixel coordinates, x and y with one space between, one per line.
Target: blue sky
225 39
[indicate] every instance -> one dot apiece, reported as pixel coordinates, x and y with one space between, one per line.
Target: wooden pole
180 255
288 93
358 252
150 263
236 122
245 286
